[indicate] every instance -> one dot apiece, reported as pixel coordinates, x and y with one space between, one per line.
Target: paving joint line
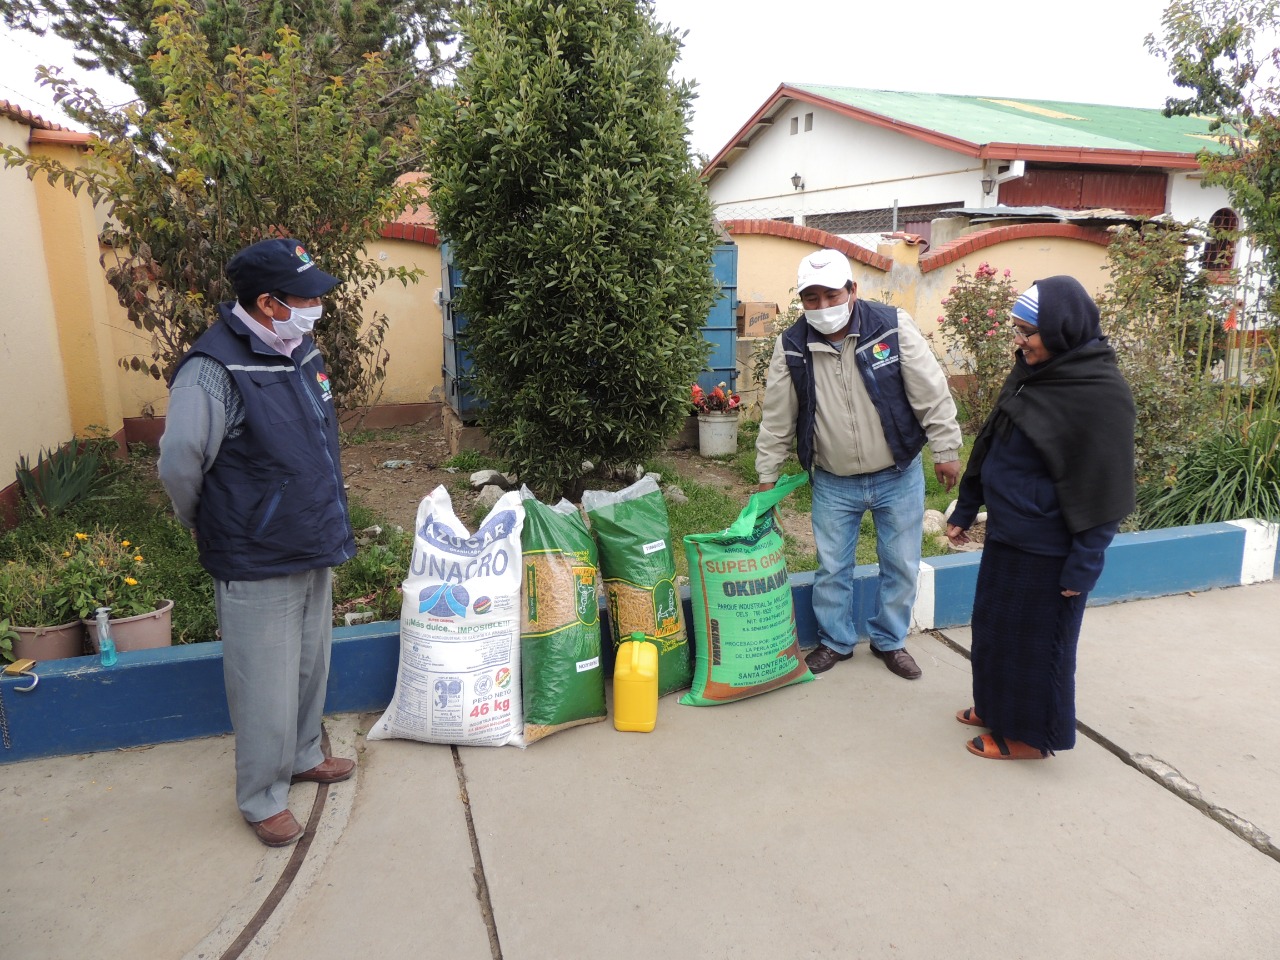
1164 774
477 872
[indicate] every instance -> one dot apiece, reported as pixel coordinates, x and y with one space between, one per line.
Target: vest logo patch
883 355
324 386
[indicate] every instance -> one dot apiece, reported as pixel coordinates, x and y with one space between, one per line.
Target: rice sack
639 568
744 621
562 680
459 675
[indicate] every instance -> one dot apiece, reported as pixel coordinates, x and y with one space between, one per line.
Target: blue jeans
896 501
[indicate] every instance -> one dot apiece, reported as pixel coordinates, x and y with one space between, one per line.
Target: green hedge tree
561 175
253 148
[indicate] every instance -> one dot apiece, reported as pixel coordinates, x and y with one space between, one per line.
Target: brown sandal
995 747
969 717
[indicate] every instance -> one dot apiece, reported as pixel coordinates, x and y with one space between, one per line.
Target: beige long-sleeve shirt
848 437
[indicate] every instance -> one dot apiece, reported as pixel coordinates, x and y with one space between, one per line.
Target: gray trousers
276 636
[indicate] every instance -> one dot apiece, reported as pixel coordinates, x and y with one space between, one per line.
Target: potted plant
37 627
102 569
717 420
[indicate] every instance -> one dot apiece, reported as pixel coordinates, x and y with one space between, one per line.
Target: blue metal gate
721 328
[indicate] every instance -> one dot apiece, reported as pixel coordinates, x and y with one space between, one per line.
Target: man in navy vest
857 388
249 458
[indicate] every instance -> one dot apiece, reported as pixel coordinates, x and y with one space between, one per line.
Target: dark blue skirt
1024 648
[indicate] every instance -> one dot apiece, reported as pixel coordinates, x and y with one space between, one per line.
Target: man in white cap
854 384
249 458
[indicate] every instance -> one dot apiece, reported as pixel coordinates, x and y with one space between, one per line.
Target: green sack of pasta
638 563
744 623
561 675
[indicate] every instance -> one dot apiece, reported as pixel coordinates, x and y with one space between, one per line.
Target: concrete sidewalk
840 818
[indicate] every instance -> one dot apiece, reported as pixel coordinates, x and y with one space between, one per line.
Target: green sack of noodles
561 676
637 560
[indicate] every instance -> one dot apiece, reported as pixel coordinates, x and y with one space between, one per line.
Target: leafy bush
974 327
192 181
561 174
1232 473
1159 313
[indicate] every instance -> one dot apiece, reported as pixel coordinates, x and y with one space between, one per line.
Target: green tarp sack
637 560
561 676
744 623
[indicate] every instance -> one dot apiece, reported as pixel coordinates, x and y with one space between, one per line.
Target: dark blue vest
879 362
273 503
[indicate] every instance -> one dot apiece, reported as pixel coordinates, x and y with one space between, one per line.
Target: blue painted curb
176 693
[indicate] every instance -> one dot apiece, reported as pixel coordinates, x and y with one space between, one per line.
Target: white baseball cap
825 268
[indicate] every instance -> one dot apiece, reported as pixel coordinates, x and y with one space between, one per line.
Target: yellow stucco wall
35 412
1027 261
69 229
767 271
415 337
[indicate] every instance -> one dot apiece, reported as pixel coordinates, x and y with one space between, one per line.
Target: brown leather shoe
278 831
333 770
824 658
899 662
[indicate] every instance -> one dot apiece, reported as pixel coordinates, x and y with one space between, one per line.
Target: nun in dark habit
1054 466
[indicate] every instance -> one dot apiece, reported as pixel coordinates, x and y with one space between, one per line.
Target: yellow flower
130 581
138 558
102 563
66 553
124 543
82 536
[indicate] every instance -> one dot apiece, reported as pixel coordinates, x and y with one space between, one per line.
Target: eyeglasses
1019 333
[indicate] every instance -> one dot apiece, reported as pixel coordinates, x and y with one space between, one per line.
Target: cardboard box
755 318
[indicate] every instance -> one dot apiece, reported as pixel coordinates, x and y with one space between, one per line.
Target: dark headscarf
1075 408
1068 316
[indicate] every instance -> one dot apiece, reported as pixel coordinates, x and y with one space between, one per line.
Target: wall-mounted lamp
988 184
797 181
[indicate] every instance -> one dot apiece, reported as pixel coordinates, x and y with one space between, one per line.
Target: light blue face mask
302 320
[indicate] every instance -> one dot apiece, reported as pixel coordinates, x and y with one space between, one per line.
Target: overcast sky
738 51
1086 51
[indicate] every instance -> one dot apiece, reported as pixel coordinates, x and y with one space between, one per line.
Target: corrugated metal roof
1048 123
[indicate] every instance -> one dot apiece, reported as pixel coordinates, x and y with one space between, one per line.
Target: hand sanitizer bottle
106 645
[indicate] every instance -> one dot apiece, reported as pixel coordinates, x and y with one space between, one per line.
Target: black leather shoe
899 663
824 658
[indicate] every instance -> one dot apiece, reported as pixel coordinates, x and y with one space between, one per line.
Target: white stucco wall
1190 199
845 165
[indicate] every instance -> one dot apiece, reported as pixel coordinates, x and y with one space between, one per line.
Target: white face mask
302 320
828 320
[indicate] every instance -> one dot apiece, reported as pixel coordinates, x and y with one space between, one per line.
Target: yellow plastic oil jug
635 685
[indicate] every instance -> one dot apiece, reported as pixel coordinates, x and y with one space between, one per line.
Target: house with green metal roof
857 162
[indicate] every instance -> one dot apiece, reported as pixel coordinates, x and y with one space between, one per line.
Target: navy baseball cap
281 264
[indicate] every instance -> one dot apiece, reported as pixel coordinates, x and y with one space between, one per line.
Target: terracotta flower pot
146 631
50 643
